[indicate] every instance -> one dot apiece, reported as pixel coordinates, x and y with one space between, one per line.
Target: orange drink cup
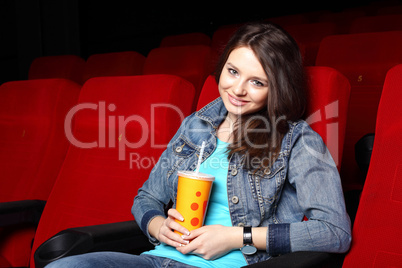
193 192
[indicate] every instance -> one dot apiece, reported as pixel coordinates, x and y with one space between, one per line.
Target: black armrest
302 259
121 236
24 211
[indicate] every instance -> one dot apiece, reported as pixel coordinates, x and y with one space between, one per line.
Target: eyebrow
254 77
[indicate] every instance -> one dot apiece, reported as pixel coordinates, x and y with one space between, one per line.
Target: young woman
266 178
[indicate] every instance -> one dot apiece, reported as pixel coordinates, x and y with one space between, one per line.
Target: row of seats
190 62
308 35
363 58
94 186
52 128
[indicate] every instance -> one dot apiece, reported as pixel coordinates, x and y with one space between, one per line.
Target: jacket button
267 171
234 172
240 224
235 200
179 149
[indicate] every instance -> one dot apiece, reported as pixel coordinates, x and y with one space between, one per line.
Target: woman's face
243 84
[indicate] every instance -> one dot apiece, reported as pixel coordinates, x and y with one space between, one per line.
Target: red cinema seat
32 150
63 66
122 125
377 232
377 24
113 64
189 62
327 105
209 92
33 143
328 98
187 39
308 36
4 262
364 59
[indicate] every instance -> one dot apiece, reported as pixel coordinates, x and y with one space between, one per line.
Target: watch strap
247 235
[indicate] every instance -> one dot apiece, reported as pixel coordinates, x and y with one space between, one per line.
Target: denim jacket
303 181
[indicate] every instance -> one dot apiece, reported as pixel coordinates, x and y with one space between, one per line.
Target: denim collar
214 112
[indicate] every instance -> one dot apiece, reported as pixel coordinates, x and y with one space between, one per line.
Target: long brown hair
259 136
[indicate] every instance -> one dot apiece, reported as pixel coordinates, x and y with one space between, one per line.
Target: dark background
33 28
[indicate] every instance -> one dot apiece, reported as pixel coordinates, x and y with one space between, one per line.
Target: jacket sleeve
156 191
315 178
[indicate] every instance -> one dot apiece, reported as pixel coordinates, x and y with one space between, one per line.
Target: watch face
249 249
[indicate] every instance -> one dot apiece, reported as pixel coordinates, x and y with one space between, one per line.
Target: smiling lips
235 101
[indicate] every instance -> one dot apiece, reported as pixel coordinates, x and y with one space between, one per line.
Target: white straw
200 157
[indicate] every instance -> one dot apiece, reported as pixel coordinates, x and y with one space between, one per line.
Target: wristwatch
248 247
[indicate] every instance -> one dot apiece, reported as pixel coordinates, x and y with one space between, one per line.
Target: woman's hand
212 241
163 229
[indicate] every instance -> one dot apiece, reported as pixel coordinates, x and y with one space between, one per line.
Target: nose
239 88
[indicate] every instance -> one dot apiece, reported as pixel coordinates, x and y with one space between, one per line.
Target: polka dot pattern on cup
194 206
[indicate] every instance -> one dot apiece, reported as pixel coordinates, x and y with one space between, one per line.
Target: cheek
259 97
225 82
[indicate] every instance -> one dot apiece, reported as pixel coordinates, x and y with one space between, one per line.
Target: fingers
174 214
188 248
167 234
193 234
191 247
209 242
171 238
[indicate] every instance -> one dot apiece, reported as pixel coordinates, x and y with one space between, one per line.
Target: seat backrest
209 92
63 66
364 59
187 39
377 232
328 95
113 64
328 98
189 62
377 24
33 144
308 36
122 125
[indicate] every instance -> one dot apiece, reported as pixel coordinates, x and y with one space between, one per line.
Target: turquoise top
217 213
